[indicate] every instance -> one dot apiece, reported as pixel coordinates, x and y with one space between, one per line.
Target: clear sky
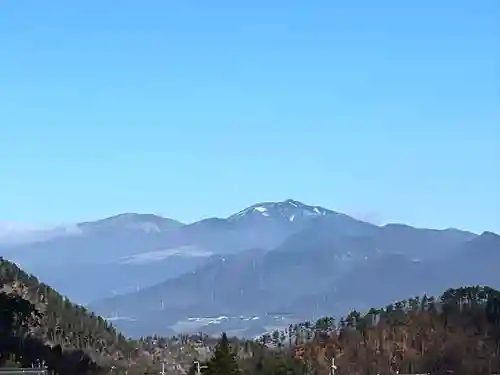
191 109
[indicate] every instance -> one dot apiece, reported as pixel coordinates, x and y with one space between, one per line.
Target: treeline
247 357
458 332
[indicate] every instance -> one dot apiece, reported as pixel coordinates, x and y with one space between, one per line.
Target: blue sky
190 109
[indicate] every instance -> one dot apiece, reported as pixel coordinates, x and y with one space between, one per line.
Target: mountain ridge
145 247
257 248
150 217
327 252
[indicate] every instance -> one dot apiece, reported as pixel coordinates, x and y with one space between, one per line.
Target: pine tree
223 361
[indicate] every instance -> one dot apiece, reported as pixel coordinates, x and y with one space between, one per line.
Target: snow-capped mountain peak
289 210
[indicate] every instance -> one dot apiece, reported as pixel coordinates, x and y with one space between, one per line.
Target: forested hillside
458 333
35 314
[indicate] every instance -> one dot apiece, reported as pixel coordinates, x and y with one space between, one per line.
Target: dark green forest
458 332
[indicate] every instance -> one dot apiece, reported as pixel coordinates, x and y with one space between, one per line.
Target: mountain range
131 251
268 265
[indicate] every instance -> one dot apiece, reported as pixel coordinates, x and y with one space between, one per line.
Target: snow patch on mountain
154 256
289 210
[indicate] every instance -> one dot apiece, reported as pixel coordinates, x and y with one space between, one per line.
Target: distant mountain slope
393 276
310 273
96 248
133 251
100 241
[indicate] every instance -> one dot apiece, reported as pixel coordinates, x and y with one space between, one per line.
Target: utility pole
199 367
333 368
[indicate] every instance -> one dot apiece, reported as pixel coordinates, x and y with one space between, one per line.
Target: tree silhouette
223 361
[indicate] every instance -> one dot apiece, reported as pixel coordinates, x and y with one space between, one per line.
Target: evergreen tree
223 361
